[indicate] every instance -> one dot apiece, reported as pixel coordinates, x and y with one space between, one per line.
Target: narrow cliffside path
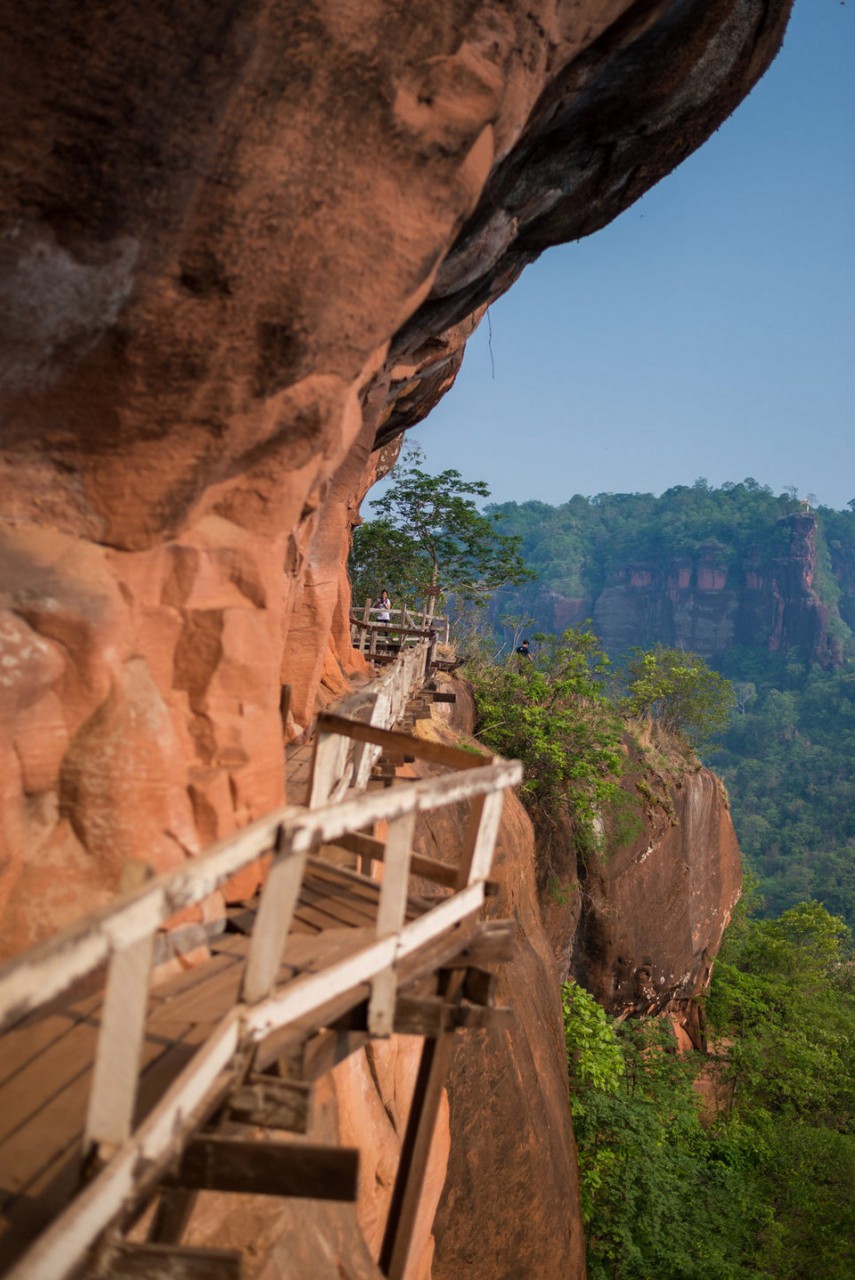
129 1097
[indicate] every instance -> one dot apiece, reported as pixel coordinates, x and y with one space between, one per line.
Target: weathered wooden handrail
37 976
122 935
409 625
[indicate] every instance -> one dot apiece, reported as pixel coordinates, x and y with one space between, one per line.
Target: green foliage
658 1200
428 533
788 755
576 548
592 1046
554 715
763 1186
788 761
782 1016
678 690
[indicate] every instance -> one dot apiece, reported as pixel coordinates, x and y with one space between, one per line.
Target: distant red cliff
708 601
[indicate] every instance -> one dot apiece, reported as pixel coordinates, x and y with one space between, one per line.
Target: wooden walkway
115 1098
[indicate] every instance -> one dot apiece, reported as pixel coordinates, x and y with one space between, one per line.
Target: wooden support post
477 855
117 1061
211 1162
328 761
415 1149
169 1262
171 1215
365 753
494 943
271 1103
275 913
367 847
391 913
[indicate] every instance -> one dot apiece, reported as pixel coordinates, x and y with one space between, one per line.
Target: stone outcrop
654 910
241 245
710 600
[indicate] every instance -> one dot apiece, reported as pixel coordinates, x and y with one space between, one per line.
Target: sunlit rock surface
240 244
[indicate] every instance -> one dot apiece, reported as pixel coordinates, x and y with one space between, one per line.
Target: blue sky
708 331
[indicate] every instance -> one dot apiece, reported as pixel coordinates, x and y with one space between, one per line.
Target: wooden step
168 1262
271 1103
211 1162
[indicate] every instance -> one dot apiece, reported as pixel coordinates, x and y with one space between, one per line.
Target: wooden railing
404 627
132 1159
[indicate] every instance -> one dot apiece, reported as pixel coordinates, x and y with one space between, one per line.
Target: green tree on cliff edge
430 536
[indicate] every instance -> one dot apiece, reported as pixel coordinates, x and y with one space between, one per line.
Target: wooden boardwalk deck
46 1062
114 1092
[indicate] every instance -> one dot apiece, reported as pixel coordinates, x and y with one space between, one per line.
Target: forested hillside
762 586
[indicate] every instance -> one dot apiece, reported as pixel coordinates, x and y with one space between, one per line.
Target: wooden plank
117 1062
479 986
275 912
55 1165
137 1166
168 1262
428 868
27 1093
56 1131
392 740
349 881
205 1002
476 857
30 1038
342 908
415 1148
172 1214
390 919
493 943
328 765
271 1103
212 1162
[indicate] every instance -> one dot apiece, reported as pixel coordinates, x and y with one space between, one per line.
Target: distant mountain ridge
699 568
764 588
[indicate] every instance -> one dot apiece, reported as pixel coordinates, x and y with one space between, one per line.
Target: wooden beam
432 1016
479 986
415 1148
476 857
117 1060
170 1262
271 1103
211 1162
494 943
436 752
275 913
174 1207
428 868
391 914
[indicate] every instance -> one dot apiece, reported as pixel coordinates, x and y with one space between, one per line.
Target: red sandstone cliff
709 600
241 245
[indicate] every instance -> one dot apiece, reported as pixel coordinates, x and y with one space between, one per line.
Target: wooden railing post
275 913
391 913
364 753
113 1095
476 856
328 761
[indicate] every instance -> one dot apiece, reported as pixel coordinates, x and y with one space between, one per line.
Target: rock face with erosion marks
654 909
710 599
241 245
